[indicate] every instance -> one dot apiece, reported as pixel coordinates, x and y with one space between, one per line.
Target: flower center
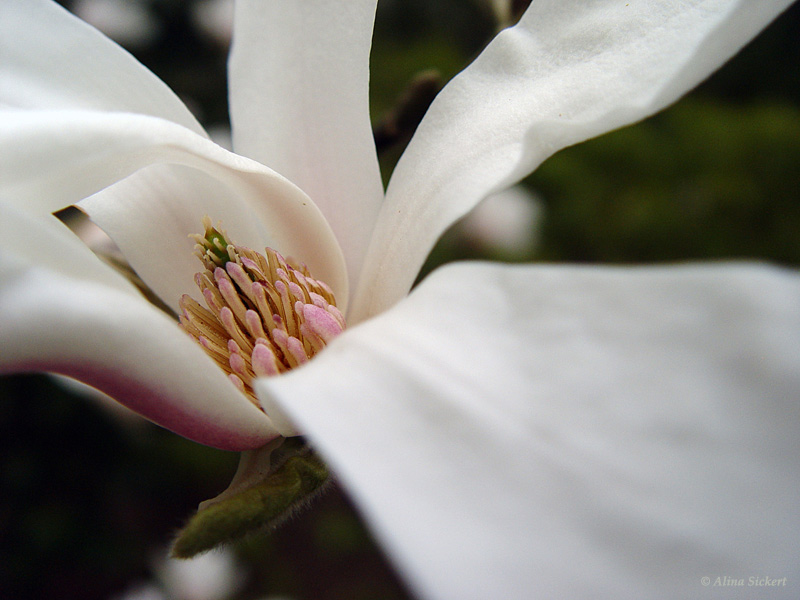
263 314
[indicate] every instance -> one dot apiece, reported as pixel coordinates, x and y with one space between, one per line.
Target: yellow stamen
263 316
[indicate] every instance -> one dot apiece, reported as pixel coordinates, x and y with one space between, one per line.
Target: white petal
299 74
215 575
505 224
554 432
52 60
46 242
570 70
124 347
119 412
55 158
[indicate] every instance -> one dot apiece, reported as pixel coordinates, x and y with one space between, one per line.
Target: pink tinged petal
579 432
300 72
52 159
569 71
53 60
121 413
126 348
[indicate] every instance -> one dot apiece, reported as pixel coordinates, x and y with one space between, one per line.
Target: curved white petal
564 432
570 70
124 347
52 159
46 242
50 59
299 74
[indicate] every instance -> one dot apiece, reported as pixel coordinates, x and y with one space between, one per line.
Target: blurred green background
89 499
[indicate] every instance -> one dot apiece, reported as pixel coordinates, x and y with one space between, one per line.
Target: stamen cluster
263 315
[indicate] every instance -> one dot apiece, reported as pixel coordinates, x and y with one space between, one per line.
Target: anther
263 316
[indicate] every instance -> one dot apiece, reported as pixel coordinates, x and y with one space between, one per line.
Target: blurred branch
399 124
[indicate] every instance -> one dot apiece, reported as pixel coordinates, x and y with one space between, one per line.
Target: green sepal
271 484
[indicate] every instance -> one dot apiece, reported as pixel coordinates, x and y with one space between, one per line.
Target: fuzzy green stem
260 506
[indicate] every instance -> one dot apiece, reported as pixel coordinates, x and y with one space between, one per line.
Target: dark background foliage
88 499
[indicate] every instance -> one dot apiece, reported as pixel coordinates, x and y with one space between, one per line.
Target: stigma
263 314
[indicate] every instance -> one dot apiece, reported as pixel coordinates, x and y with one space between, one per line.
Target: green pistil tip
217 244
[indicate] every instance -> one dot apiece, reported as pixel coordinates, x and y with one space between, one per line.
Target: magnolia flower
507 431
